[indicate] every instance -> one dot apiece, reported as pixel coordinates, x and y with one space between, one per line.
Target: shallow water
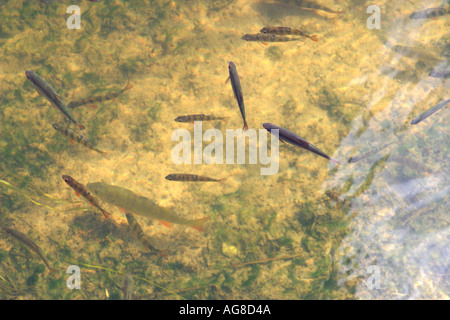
280 236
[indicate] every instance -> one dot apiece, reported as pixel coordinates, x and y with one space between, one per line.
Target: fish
128 287
50 94
85 193
368 153
29 243
74 136
265 37
237 90
430 13
191 177
198 117
290 137
96 99
142 206
440 73
416 53
287 31
137 231
429 112
333 195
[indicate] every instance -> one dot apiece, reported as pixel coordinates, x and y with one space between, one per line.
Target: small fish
128 287
96 99
237 89
264 37
50 94
440 73
368 153
333 195
430 13
73 135
290 137
287 31
191 177
198 117
416 53
136 230
128 200
29 243
81 190
429 112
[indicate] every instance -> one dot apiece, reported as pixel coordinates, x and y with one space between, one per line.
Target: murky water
375 227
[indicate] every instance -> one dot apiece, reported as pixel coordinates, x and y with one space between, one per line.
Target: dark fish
440 73
198 117
29 243
236 85
136 230
287 31
50 94
290 137
128 287
73 135
429 112
315 6
128 200
81 190
265 37
191 177
96 99
430 13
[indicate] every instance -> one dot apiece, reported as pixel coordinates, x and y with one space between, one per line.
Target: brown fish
265 37
137 231
191 178
29 243
198 117
287 31
96 99
74 136
81 190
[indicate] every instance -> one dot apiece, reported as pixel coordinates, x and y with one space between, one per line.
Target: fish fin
163 252
105 214
93 106
165 223
199 224
222 181
123 210
335 161
77 193
245 126
71 141
264 43
314 38
129 86
91 204
81 126
228 79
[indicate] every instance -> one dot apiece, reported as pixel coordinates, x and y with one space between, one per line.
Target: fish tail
81 126
245 126
335 161
222 181
105 213
129 86
314 38
199 224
